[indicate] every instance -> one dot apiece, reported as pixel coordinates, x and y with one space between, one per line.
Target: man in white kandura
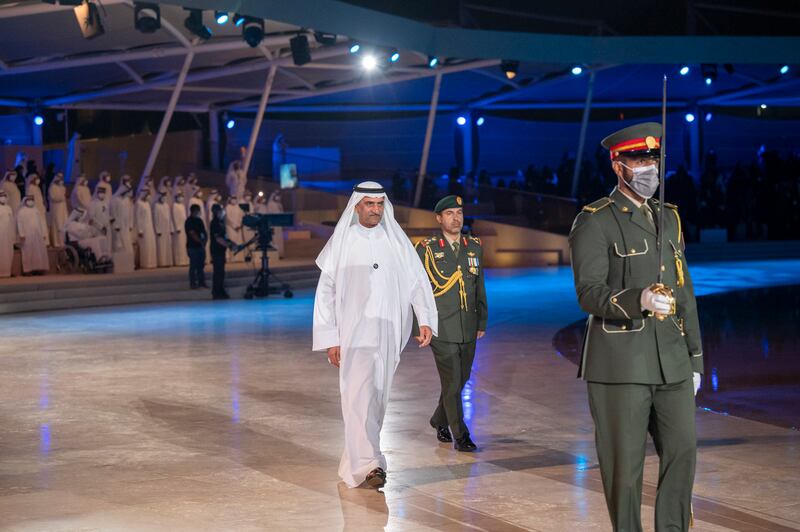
371 280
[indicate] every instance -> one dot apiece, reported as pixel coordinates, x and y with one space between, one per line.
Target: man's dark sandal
376 478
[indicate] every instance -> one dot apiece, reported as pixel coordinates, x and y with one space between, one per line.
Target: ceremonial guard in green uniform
454 264
642 354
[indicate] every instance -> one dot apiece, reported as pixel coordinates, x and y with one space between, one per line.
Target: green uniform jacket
614 258
456 324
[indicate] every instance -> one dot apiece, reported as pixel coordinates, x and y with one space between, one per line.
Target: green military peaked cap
636 140
448 202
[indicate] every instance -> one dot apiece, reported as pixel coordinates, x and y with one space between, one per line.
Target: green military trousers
454 362
623 415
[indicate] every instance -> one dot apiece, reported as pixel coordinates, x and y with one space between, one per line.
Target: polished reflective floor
210 416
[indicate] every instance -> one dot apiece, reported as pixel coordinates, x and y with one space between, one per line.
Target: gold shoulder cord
447 282
677 254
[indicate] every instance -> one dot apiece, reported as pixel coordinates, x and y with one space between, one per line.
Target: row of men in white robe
111 223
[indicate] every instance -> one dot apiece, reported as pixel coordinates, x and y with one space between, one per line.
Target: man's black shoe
443 435
465 445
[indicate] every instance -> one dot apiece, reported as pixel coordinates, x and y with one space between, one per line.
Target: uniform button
613 299
663 268
624 327
624 209
633 250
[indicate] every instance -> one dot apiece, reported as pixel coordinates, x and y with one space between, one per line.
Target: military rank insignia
438 255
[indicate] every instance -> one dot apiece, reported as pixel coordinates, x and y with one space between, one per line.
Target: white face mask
29 203
644 181
101 197
162 199
3 200
179 199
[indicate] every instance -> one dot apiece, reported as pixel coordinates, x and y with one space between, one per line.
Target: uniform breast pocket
622 326
637 249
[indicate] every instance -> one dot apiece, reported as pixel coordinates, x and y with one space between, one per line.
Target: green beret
448 202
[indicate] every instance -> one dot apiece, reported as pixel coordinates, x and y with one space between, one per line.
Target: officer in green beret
642 355
454 263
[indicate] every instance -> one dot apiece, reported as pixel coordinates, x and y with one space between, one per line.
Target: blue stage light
38 120
480 121
784 69
709 116
684 70
689 117
238 19
230 124
461 120
222 17
432 61
577 70
763 106
395 56
354 48
708 81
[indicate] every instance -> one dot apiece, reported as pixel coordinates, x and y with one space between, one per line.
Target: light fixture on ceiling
709 73
221 17
194 23
689 117
238 19
324 38
38 119
369 62
577 70
461 120
354 47
301 53
230 123
253 31
684 70
784 70
146 17
89 20
432 61
394 55
509 68
480 121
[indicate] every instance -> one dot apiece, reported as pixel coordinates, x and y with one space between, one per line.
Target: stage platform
204 415
160 285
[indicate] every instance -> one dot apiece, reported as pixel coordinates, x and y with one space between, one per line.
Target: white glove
655 303
696 378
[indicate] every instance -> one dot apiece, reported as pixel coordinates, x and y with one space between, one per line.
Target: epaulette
423 242
597 205
476 240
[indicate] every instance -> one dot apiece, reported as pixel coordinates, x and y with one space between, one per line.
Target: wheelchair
78 259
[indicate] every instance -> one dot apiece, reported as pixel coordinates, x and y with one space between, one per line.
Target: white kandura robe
146 236
371 330
81 197
36 192
162 224
12 191
122 223
57 193
179 255
100 216
8 235
233 230
34 248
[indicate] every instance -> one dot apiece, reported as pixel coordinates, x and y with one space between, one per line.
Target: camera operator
220 244
196 235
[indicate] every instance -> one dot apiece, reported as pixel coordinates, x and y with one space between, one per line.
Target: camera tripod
260 287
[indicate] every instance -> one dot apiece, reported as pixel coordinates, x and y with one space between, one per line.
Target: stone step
303 248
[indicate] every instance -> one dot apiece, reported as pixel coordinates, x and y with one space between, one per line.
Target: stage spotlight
709 116
784 69
38 119
684 70
689 117
194 23
238 19
577 70
432 61
89 20
146 17
230 123
480 121
221 17
394 56
461 120
253 31
709 73
301 54
763 106
260 193
323 38
509 68
369 62
354 47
